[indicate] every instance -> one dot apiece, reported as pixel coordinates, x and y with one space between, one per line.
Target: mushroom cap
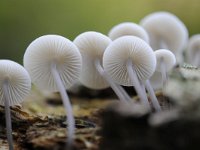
168 57
92 46
128 28
193 48
129 48
165 30
52 49
17 79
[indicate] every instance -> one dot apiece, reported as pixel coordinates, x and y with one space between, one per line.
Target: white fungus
92 46
193 50
18 82
54 64
165 62
129 61
15 85
120 51
49 49
128 28
166 31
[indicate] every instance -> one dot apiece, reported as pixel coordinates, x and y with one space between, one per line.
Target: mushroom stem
196 58
163 72
122 95
67 105
126 96
8 116
136 83
152 95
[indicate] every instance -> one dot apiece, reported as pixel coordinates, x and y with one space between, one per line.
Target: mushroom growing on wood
54 64
128 28
166 31
92 46
129 61
193 50
15 85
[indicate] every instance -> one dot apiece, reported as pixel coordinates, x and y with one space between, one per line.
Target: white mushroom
128 28
92 46
165 61
193 50
15 85
54 64
129 61
166 31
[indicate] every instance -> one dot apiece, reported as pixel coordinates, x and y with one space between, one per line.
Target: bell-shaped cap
92 46
167 57
49 50
16 80
128 28
193 50
166 31
127 48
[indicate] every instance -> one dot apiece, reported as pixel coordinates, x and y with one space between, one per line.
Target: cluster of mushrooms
131 55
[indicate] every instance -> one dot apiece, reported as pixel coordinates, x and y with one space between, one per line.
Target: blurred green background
21 21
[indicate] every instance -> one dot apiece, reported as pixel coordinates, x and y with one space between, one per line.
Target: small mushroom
128 28
129 61
15 85
92 46
166 31
165 61
54 64
193 50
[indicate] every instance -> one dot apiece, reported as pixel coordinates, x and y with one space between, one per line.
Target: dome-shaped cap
52 49
92 46
128 28
193 49
167 57
165 30
18 82
129 48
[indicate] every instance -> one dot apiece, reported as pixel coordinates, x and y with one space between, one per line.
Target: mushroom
128 28
54 64
166 31
156 80
129 61
92 46
193 50
15 85
165 61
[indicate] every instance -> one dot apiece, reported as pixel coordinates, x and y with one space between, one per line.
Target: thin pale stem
163 72
125 94
152 95
196 58
67 105
8 116
136 83
115 88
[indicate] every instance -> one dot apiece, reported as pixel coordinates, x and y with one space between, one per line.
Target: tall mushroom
92 46
54 63
128 28
129 61
166 31
15 85
193 50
